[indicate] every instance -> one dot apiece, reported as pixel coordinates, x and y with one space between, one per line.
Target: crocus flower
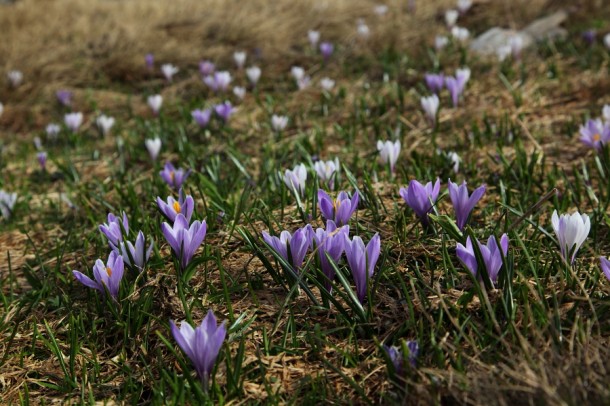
149 60
296 179
224 111
363 30
239 58
107 277
430 105
201 344
73 121
326 49
339 210
327 84
170 209
607 40
174 177
606 113
451 17
464 5
239 92
52 131
454 89
169 71
389 152
218 81
460 34
314 37
463 76
327 171
42 159
605 266
462 203
395 355
105 123
38 143
362 261
254 74
589 36
112 230
153 145
571 231
15 78
421 198
291 247
492 256
440 42
330 241
455 160
7 202
435 82
516 46
297 72
595 133
1 109
380 9
202 117
206 68
155 102
304 82
139 253
184 239
279 123
64 97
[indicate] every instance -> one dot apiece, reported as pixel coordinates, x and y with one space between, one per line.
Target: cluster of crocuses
595 133
436 82
296 179
330 243
223 111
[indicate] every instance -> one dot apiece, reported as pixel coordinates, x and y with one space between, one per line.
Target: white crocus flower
571 231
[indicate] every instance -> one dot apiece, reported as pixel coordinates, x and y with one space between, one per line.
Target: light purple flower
435 82
330 241
112 230
571 231
491 254
153 146
218 81
291 247
202 344
139 253
463 76
589 36
206 68
64 97
397 358
327 172
155 102
73 121
174 177
42 159
362 261
605 266
462 203
327 84
202 117
454 89
224 111
107 277
170 209
149 59
430 105
326 49
389 152
296 179
421 198
184 239
339 210
595 133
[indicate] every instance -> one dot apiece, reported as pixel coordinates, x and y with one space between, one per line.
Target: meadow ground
539 334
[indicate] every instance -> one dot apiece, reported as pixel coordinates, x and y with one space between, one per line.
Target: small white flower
73 121
451 17
455 159
155 102
279 123
15 78
169 71
381 9
7 202
388 152
363 30
240 59
1 109
464 5
104 123
297 73
153 145
440 42
606 113
327 171
463 76
607 40
52 131
460 34
571 231
239 92
430 105
327 84
516 46
314 37
296 179
38 143
254 74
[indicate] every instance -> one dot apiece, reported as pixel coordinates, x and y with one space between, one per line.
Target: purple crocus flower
462 203
397 358
201 344
149 59
139 253
42 159
112 230
174 177
183 239
64 97
454 89
224 110
435 82
170 209
605 266
202 117
218 81
589 36
327 171
492 256
330 241
107 277
326 49
421 198
595 133
362 261
463 76
339 210
291 247
206 68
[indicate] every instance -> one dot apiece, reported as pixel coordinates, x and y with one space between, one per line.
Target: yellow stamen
336 205
109 271
177 207
172 176
597 137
